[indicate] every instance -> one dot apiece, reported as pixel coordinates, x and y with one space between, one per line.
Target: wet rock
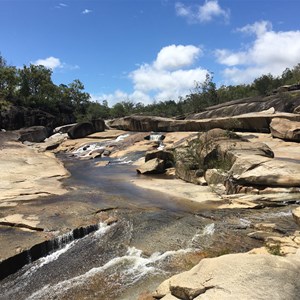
296 215
35 134
153 166
96 153
285 129
237 276
81 130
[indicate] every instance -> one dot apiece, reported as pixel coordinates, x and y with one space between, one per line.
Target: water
155 237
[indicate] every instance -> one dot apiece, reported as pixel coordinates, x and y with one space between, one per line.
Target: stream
155 236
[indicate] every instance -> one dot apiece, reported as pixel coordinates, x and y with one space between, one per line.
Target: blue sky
145 50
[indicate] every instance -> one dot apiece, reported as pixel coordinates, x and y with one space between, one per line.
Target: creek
155 237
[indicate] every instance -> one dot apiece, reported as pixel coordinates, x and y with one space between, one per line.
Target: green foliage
198 155
32 86
274 249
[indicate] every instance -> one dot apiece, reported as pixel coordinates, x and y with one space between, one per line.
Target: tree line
32 86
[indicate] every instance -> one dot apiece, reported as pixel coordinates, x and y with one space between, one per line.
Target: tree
204 95
8 80
78 98
265 84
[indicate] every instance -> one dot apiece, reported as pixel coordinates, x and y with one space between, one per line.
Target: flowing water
155 237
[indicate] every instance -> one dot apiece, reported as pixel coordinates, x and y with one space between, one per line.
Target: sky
151 50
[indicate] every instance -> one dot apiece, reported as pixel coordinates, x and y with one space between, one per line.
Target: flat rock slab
26 174
179 189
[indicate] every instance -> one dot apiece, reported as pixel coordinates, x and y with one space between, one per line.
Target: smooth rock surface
238 276
35 134
152 166
285 129
296 215
285 102
248 122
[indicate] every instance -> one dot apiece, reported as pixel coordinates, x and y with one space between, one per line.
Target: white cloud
55 63
172 57
257 28
86 11
270 52
166 78
61 5
202 13
49 62
171 75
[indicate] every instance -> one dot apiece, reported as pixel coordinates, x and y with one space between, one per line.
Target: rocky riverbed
148 228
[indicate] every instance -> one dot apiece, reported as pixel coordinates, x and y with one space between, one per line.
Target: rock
153 166
296 215
247 122
297 110
252 104
214 176
99 125
34 134
166 156
237 276
81 130
64 128
270 173
285 129
16 117
96 153
216 149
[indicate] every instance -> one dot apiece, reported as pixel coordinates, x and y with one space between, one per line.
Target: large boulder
282 102
64 128
285 129
265 172
247 122
215 149
81 130
35 134
166 156
153 166
99 125
236 276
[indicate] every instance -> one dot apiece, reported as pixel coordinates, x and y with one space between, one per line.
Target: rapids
155 237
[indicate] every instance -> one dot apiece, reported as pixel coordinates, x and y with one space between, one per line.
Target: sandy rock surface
26 174
237 276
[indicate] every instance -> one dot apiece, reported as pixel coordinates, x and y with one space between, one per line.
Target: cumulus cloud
86 11
54 63
270 52
169 76
202 13
173 57
257 28
49 62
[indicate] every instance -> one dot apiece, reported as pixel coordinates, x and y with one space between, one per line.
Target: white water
87 149
65 243
132 267
121 161
205 233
